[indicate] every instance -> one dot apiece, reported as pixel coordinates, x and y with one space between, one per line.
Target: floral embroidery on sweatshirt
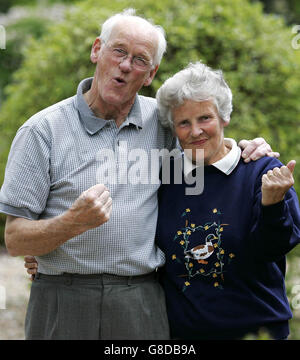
204 255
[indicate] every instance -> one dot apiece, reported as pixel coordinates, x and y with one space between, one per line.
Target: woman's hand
276 182
31 265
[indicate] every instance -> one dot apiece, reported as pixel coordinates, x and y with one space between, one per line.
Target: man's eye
140 61
119 52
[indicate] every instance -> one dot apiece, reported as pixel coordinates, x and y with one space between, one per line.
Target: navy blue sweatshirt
225 255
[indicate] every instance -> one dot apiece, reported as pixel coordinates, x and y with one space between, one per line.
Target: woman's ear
225 123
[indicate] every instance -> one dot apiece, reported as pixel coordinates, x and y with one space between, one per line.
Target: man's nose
126 64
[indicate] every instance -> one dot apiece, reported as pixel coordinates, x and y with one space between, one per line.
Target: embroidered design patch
206 258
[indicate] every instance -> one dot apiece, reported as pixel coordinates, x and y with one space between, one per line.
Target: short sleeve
26 184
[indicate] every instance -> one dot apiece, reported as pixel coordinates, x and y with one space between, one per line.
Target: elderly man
96 278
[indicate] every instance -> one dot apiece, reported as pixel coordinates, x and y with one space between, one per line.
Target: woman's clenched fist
276 182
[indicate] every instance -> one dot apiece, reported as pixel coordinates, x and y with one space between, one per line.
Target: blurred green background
47 54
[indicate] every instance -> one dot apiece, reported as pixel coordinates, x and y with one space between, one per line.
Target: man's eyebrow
118 45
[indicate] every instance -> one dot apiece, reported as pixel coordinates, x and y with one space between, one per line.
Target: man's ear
148 81
95 50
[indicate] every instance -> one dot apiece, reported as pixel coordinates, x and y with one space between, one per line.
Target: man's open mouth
119 80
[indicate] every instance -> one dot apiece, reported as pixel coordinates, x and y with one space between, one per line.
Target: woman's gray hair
196 82
109 24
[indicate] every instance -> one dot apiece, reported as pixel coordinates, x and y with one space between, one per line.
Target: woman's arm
277 226
276 183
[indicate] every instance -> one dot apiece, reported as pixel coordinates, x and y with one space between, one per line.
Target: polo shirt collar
91 122
227 164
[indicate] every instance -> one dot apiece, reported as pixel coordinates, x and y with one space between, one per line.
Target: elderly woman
225 249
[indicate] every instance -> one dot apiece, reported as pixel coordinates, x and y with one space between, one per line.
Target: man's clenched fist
91 209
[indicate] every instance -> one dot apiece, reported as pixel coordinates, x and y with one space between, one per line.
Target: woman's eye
204 118
183 123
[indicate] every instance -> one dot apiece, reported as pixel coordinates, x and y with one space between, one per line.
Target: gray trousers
91 307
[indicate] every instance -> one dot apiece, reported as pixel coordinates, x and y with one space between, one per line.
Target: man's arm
39 237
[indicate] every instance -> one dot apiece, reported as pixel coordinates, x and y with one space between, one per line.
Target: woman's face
199 126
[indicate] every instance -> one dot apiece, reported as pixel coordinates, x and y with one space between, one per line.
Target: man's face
117 79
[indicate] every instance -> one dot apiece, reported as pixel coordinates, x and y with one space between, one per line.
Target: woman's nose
196 130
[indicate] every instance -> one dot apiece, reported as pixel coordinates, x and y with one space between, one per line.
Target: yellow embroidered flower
216 284
221 229
179 232
191 265
222 252
206 227
189 232
187 283
215 210
216 245
202 271
231 255
181 242
188 210
193 225
214 275
173 257
217 264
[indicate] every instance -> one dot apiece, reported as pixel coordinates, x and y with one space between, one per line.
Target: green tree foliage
19 33
5 5
290 9
21 28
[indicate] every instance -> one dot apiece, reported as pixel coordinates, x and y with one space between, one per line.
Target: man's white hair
109 24
196 82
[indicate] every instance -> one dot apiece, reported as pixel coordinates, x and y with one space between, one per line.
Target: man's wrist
68 224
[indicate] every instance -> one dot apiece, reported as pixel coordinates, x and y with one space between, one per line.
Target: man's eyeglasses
137 62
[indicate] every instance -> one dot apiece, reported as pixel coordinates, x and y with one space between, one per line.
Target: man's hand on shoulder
255 149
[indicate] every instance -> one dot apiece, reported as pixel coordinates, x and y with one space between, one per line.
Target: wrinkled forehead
135 32
194 107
